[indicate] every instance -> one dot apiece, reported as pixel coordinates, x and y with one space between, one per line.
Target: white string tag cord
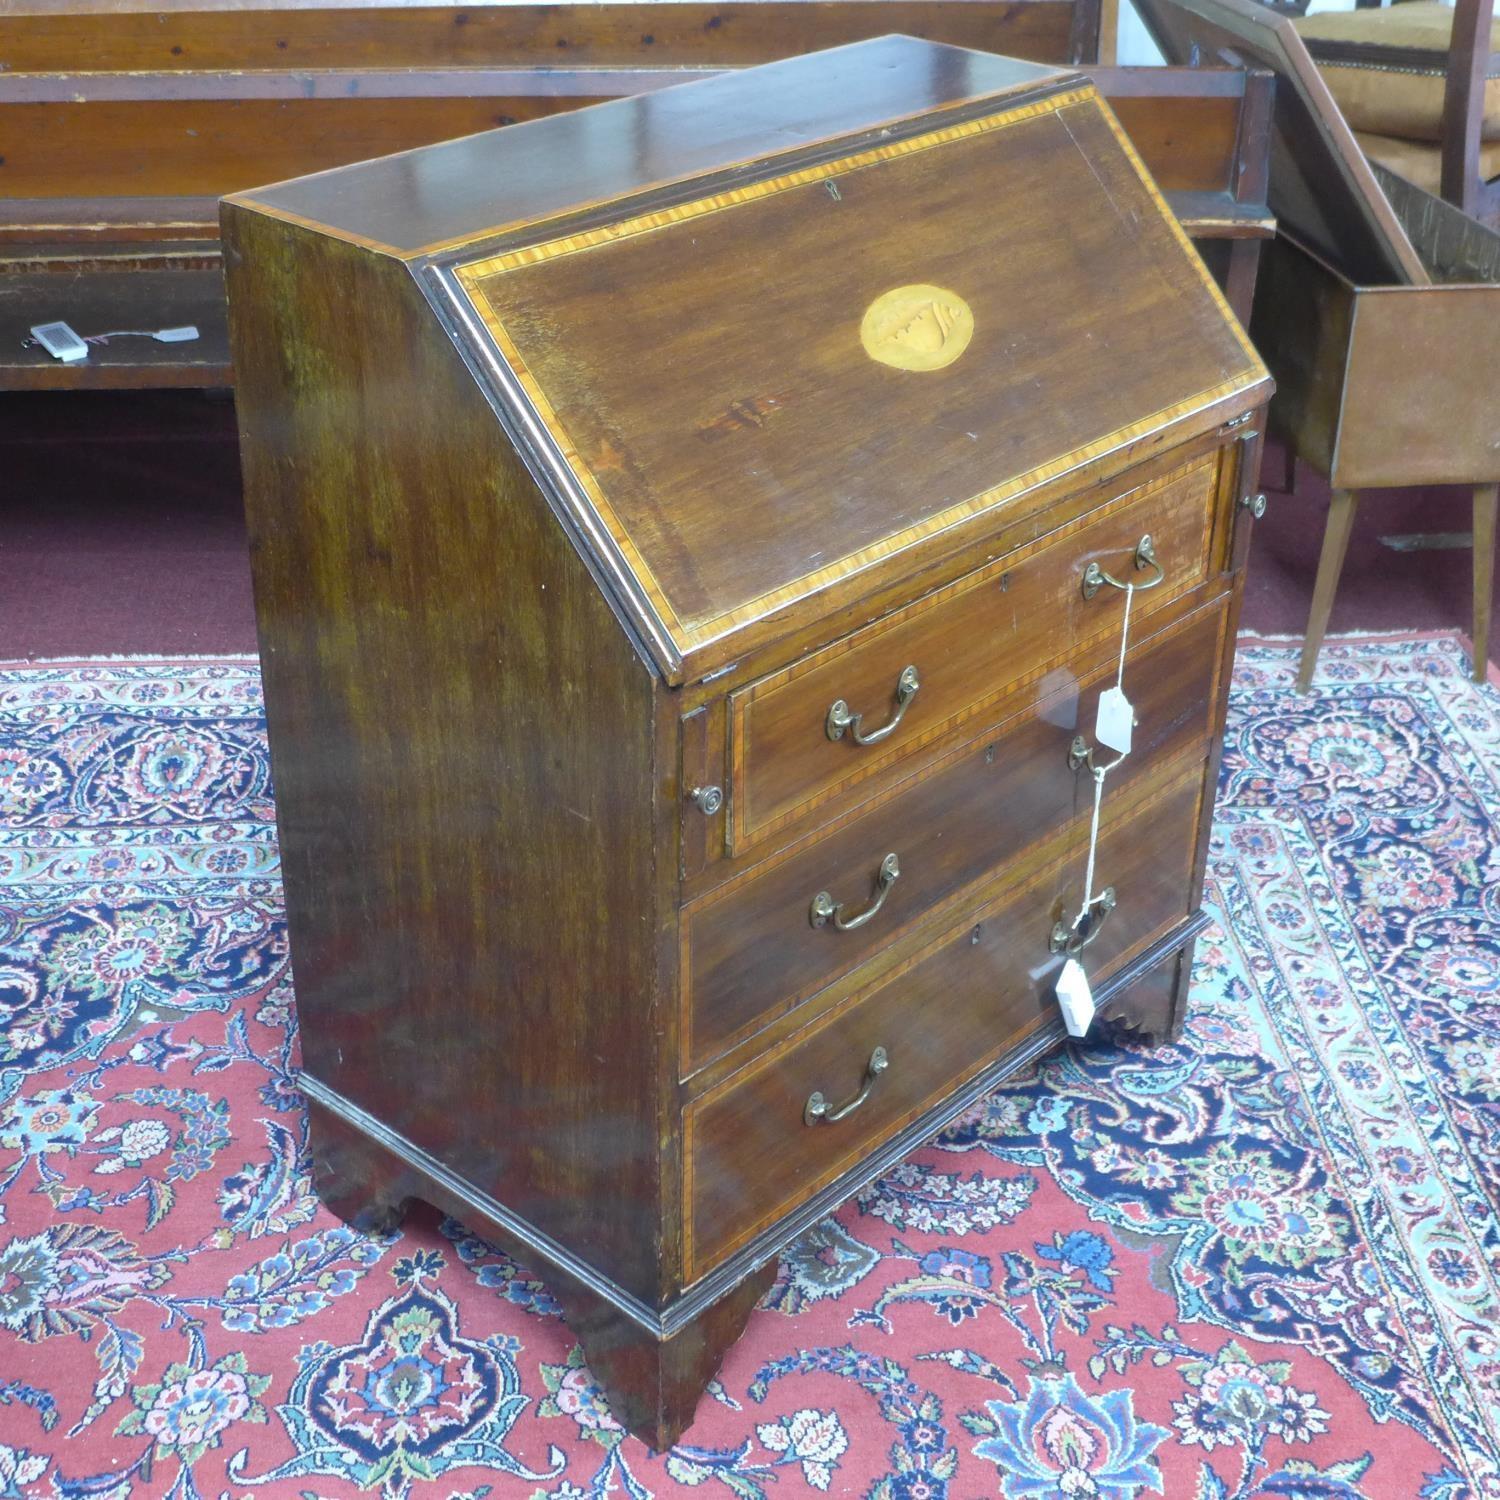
1100 772
1111 734
1116 718
1124 636
1113 726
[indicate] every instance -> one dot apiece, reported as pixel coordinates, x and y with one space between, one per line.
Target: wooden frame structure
1445 58
1469 61
1378 311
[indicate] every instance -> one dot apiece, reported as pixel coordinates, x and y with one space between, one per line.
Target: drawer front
948 1011
963 646
750 949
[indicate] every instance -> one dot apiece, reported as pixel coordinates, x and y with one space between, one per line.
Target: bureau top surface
422 200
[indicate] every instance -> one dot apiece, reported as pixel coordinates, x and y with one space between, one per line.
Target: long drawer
753 1152
751 950
934 663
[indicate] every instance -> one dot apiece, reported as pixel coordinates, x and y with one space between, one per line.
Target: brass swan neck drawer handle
1094 577
817 1112
823 910
840 718
1073 940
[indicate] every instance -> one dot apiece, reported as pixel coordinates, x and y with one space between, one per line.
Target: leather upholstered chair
1419 84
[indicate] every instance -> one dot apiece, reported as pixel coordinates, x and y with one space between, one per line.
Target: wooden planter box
1383 385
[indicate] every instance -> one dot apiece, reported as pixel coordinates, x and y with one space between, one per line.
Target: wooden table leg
1484 572
1288 483
1330 565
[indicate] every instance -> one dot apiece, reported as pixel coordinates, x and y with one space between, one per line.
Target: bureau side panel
462 741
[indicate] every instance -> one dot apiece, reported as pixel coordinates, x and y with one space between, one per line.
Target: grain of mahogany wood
413 686
918 456
200 35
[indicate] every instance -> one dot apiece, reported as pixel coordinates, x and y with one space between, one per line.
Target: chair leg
1485 507
1330 565
1288 468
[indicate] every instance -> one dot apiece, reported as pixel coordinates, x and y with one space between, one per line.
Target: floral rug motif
1263 1262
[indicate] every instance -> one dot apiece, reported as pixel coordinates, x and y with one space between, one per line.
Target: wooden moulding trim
1147 82
686 637
747 831
1430 61
251 204
1219 215
1236 228
105 256
545 1253
167 376
56 220
342 84
1045 1035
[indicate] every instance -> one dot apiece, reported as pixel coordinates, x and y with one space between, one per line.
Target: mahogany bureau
690 538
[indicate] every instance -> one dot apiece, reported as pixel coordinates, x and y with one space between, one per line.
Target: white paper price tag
1116 720
1076 998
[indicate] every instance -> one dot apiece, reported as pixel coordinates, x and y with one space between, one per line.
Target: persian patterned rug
1263 1262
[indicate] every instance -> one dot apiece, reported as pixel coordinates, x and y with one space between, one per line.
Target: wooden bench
111 172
